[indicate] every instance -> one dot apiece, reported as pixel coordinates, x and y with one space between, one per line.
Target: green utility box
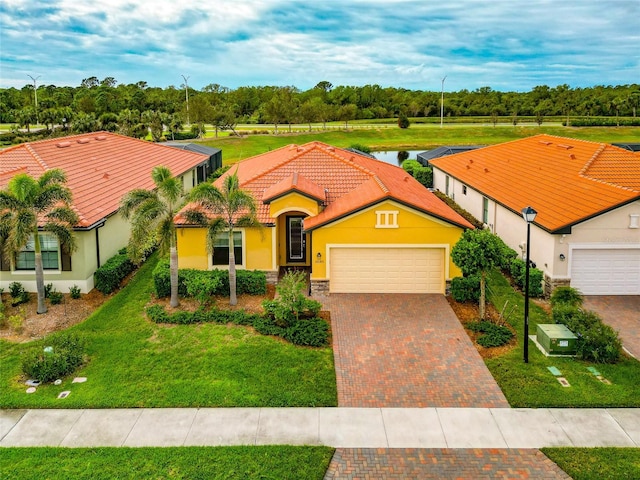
556 339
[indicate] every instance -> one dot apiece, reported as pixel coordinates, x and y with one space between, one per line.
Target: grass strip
532 385
597 463
210 463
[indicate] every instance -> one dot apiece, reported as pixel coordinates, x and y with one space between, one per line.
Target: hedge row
108 277
251 282
312 332
596 341
604 122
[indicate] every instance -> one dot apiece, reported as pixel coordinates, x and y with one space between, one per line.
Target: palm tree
151 212
27 202
230 207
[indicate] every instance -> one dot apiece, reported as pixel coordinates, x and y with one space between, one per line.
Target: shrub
63 354
403 121
18 294
465 289
292 303
48 288
361 147
157 314
596 341
16 321
310 332
251 282
466 215
202 287
566 296
109 276
267 326
494 335
518 273
56 297
74 292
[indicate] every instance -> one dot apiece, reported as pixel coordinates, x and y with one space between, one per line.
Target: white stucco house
100 167
587 195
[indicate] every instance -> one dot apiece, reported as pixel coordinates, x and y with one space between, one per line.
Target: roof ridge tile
37 157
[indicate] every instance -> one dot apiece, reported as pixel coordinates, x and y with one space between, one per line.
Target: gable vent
63 144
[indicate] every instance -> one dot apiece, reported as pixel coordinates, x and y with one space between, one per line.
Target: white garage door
386 270
606 272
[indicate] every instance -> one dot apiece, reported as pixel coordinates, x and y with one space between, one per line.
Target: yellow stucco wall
294 201
256 242
414 229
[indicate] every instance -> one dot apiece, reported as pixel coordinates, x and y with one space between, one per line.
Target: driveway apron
622 312
406 350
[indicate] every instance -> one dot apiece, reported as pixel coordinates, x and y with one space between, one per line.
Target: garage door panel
377 270
606 271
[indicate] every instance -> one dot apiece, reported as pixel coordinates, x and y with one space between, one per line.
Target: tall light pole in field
186 94
442 102
35 93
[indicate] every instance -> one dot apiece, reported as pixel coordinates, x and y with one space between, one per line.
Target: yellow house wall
257 249
414 228
293 202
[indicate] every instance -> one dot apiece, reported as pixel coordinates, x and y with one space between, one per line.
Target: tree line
136 109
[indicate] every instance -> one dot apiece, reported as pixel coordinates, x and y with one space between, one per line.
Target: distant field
390 137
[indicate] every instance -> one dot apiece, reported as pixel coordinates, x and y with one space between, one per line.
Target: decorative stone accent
319 287
272 277
550 284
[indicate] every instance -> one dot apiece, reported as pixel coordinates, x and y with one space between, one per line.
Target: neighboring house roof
425 157
566 180
194 147
100 167
343 181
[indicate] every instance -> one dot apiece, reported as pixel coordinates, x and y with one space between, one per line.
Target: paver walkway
622 312
425 464
406 351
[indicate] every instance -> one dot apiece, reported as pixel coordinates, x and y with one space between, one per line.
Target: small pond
393 156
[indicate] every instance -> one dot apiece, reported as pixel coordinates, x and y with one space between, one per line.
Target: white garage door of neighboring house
386 270
606 272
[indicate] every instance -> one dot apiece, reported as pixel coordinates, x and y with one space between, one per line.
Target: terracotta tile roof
101 167
564 179
349 182
295 183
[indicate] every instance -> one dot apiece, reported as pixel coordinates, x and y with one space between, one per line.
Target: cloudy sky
505 44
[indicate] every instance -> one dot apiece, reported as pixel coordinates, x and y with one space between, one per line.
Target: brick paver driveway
406 351
622 312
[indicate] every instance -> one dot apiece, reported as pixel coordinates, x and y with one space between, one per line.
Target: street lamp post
35 93
529 215
442 102
186 94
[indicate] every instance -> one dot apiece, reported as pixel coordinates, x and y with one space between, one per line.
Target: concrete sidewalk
337 427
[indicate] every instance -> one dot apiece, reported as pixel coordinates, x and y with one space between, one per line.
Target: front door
296 241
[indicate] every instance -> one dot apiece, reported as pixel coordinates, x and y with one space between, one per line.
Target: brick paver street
425 464
406 351
622 312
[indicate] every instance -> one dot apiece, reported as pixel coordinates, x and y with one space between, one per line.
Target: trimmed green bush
566 296
291 303
61 355
109 276
18 294
74 292
158 314
250 282
56 297
48 288
465 289
518 273
596 341
494 335
310 332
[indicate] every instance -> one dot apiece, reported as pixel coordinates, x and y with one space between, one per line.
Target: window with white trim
221 249
485 210
386 219
26 258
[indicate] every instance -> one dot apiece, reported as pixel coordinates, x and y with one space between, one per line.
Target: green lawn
597 463
532 385
134 363
210 463
390 137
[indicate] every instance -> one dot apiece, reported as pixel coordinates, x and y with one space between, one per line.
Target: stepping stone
64 394
563 381
31 390
554 371
32 383
79 380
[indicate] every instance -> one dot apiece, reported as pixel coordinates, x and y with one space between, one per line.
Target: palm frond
50 195
64 234
53 176
194 216
215 227
63 214
23 188
133 199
